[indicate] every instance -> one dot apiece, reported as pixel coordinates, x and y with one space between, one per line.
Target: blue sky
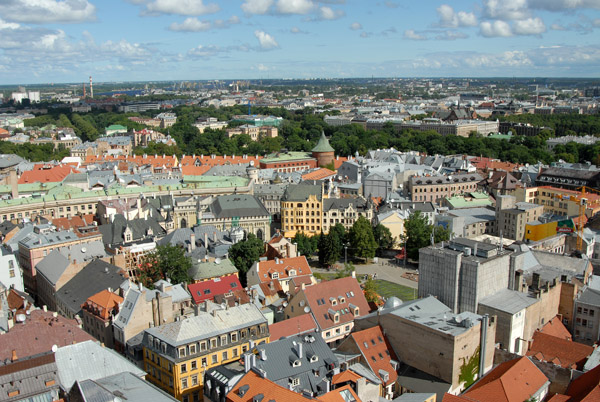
138 40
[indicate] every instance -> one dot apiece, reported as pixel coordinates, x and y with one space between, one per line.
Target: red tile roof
320 299
377 352
282 268
556 328
103 303
192 170
168 161
336 395
586 386
484 163
559 351
319 174
207 290
40 174
76 221
292 326
254 385
345 376
218 160
39 333
512 381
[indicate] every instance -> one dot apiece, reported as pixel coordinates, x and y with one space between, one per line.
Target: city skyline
148 40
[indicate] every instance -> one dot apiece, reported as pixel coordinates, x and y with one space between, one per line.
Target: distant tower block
91 88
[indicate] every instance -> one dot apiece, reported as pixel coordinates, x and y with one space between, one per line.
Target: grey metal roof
589 296
281 354
344 203
50 236
206 325
238 205
90 361
53 266
9 160
98 275
509 301
55 263
113 233
301 192
29 376
125 386
205 270
267 189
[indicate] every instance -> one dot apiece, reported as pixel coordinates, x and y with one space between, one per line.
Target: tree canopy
165 262
245 253
362 240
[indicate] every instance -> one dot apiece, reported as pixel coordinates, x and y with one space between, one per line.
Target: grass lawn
388 289
325 276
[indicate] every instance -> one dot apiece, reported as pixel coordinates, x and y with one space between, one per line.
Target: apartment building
345 211
98 312
176 355
560 201
436 188
255 132
512 217
301 209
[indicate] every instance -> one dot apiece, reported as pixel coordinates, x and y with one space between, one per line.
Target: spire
323 144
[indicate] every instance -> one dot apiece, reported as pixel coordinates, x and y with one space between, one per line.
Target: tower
91 88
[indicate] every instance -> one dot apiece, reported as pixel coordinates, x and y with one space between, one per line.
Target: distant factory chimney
91 88
84 94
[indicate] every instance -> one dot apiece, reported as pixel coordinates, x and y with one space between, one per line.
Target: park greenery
301 130
165 262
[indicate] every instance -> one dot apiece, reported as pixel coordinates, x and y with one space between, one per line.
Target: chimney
299 350
206 240
193 240
263 355
14 184
215 236
14 357
248 362
483 344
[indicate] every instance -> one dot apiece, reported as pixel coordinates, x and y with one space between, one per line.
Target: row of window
581 310
5 217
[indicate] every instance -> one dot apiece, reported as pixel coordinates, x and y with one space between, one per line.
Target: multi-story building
289 161
570 176
333 304
239 210
512 217
176 355
42 241
586 328
436 188
559 201
301 207
427 336
285 274
345 211
255 132
11 274
98 312
462 272
270 195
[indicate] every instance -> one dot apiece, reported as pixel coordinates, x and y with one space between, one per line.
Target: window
224 356
223 340
204 362
182 352
194 380
235 352
202 346
294 382
193 365
184 368
591 313
184 383
234 337
213 343
193 349
215 359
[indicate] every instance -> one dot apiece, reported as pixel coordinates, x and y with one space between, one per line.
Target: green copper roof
323 144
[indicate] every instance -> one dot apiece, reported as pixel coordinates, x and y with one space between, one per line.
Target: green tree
328 254
370 290
362 240
417 234
245 253
383 236
164 262
306 245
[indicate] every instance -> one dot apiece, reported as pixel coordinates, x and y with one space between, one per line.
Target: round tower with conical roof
323 152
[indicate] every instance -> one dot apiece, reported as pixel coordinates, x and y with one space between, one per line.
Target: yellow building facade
177 355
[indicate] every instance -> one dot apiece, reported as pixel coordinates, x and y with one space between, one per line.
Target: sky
45 41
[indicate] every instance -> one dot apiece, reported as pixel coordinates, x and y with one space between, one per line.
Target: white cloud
262 67
557 27
265 40
491 29
8 25
327 13
451 19
451 35
48 11
355 26
256 6
204 51
506 10
412 35
191 24
296 30
295 6
181 7
233 20
561 5
364 34
530 26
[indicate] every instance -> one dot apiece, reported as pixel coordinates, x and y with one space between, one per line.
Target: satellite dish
54 348
83 249
307 309
21 317
217 260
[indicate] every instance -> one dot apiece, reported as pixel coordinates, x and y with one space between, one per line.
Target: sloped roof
512 381
318 174
323 144
105 301
253 385
282 267
292 326
585 387
238 205
377 352
556 328
207 290
319 296
559 351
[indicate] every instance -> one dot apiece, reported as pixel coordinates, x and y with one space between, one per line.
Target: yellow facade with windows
178 365
302 216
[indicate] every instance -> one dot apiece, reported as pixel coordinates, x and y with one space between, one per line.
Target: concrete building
462 272
512 217
427 336
11 275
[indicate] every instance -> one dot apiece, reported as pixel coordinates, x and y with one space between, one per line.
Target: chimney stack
14 357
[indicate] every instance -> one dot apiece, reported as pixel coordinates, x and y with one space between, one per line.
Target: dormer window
314 358
292 272
275 275
342 300
333 301
294 382
296 363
